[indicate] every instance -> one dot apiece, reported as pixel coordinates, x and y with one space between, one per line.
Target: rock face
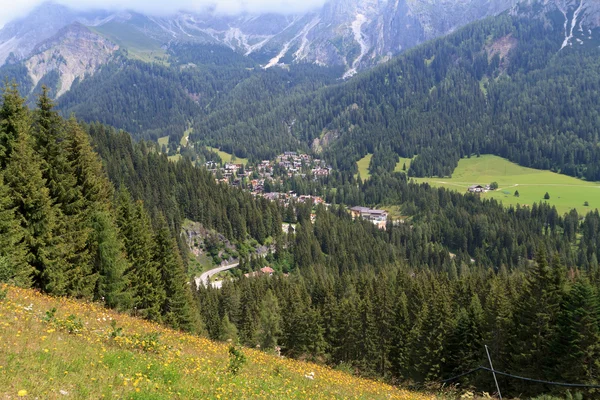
72 53
21 36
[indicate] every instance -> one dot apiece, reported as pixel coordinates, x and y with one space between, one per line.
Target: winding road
204 279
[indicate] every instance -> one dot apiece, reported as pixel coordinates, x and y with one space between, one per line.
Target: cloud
12 9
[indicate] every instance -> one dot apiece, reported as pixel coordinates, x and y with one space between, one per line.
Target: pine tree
144 275
13 265
14 119
73 274
228 331
578 338
400 334
270 318
177 309
534 323
35 211
109 262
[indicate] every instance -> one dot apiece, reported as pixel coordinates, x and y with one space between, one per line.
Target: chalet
476 189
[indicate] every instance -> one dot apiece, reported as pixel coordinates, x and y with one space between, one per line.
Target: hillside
84 351
566 193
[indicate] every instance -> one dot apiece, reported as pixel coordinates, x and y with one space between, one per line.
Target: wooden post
493 372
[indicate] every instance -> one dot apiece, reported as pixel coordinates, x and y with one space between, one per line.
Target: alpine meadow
352 199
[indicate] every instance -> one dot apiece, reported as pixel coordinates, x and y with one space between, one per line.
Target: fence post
493 372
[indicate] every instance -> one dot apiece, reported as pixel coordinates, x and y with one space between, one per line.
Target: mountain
449 98
353 33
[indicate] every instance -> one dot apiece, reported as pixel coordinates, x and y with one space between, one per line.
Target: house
476 189
263 271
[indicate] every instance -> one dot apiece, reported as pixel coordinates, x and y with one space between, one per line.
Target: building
476 189
377 217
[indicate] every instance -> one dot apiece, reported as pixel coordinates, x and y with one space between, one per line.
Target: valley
349 199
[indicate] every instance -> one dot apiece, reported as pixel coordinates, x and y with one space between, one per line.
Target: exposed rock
73 52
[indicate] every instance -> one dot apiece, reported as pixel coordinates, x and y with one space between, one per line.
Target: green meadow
226 157
565 192
363 166
138 45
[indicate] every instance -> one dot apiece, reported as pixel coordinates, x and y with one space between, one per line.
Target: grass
186 136
363 166
163 141
138 45
226 157
565 192
401 163
85 351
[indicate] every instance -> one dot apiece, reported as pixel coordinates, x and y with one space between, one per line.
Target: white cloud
12 9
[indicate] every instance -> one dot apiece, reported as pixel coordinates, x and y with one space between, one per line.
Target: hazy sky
11 9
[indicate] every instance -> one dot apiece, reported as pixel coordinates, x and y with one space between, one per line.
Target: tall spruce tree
535 320
33 205
578 339
143 275
177 309
14 118
270 320
14 268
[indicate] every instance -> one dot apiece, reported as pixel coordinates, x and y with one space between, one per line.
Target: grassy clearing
186 136
402 163
565 192
174 158
226 157
363 166
163 141
138 45
90 356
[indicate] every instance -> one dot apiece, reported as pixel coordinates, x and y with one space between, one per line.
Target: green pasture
565 192
226 157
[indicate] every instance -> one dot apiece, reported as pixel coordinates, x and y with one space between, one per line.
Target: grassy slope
163 141
363 166
565 192
44 359
137 44
226 157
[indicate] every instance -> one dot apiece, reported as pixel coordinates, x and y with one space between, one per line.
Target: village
259 178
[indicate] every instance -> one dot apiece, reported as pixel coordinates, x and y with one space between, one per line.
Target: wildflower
22 393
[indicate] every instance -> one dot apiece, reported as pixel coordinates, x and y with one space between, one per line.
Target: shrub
237 359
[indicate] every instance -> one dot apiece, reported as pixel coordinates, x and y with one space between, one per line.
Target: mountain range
54 41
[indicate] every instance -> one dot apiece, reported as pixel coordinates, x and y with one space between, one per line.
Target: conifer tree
578 338
14 118
144 275
228 331
35 211
535 323
14 268
177 309
270 320
109 262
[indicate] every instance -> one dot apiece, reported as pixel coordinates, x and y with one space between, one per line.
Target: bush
237 359
546 196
